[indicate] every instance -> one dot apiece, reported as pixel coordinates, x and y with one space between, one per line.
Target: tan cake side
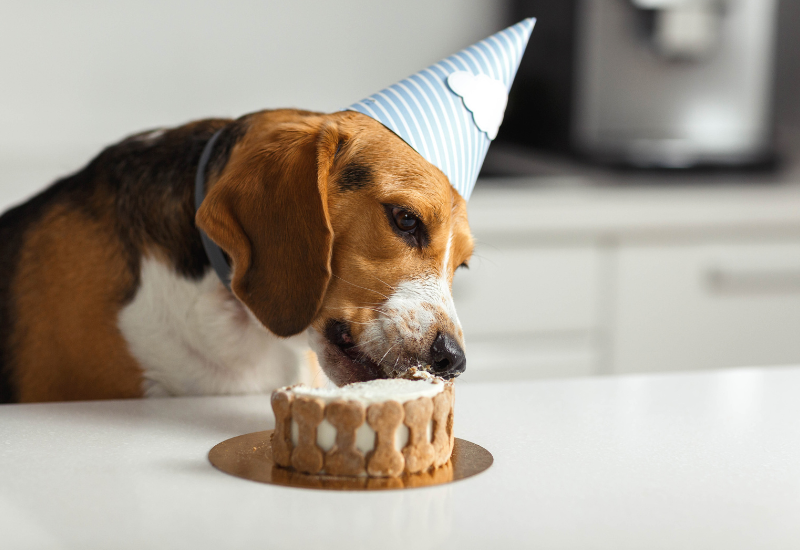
344 458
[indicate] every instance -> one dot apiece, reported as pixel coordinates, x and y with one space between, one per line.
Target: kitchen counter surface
690 460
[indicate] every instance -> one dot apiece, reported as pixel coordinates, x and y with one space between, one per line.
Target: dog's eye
407 225
404 220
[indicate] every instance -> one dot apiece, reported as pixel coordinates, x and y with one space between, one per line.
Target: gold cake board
249 456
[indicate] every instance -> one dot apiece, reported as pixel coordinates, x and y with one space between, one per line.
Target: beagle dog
337 234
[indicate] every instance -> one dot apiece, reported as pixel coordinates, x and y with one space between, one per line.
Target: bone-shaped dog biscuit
344 458
442 409
282 436
449 389
385 459
419 451
308 412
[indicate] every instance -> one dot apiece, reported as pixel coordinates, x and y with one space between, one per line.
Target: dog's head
335 224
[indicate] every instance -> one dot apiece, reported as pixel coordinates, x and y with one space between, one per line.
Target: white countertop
692 460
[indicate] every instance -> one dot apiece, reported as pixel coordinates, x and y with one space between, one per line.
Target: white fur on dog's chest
195 338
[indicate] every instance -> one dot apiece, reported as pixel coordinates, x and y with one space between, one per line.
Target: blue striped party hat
451 111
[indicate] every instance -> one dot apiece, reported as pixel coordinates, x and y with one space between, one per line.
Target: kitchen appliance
652 83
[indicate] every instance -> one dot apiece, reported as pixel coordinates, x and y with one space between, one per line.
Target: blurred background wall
79 75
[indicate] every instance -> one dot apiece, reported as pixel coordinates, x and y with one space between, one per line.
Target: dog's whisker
387 353
354 307
361 287
378 311
384 313
361 322
378 337
374 309
316 376
382 281
394 368
361 344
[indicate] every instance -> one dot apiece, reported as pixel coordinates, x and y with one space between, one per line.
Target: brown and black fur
95 225
280 185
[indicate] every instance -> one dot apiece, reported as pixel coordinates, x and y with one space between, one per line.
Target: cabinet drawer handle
736 279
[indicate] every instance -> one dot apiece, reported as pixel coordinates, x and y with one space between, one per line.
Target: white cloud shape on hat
484 96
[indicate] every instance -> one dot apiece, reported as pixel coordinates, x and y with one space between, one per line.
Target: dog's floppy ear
268 211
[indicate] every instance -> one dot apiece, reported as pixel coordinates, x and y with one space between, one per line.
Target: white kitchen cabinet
528 311
705 305
577 279
513 289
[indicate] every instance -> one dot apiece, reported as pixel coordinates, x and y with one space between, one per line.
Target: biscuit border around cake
385 418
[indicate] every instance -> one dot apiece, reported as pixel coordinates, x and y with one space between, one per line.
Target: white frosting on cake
375 391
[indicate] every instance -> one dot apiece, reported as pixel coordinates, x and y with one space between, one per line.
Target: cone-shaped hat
450 112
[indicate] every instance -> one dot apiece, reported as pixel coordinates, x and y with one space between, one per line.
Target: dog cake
382 428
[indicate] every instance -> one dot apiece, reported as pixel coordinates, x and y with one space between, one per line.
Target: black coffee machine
650 83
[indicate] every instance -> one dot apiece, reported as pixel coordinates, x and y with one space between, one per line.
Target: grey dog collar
214 253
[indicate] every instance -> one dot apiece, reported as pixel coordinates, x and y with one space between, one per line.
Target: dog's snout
447 357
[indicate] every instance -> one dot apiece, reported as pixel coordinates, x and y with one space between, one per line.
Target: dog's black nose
448 359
